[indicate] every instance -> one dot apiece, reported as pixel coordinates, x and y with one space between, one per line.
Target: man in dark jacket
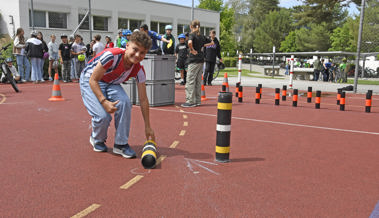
211 52
34 50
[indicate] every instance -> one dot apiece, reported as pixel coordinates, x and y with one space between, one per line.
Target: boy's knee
103 118
124 103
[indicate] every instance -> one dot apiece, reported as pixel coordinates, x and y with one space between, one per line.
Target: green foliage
230 61
272 30
289 44
370 39
345 38
227 21
215 5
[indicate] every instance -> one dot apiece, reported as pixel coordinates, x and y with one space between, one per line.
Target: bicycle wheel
11 79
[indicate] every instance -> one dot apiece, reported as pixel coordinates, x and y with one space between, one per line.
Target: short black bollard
342 101
223 88
295 98
237 85
284 93
240 94
339 96
257 95
224 119
260 90
309 95
277 96
368 102
318 99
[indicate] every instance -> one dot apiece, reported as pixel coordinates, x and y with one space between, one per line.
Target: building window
134 24
122 23
100 23
39 18
183 28
57 20
154 26
162 28
129 23
85 24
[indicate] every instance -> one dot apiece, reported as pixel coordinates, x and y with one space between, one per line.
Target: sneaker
50 79
188 105
65 81
198 104
24 81
124 150
98 147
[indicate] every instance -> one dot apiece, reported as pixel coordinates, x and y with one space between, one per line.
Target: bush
230 61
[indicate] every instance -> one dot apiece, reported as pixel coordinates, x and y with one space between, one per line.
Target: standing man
316 69
211 52
103 95
169 48
154 37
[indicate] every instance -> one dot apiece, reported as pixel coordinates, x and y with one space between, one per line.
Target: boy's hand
149 134
109 106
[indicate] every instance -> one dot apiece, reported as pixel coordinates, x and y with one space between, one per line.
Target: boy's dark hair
144 27
97 37
141 39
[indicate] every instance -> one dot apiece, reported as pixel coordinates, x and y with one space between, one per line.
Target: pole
192 11
291 71
81 22
251 57
273 61
239 67
359 46
32 13
89 20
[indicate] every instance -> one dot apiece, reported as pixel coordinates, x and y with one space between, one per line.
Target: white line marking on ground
184 116
182 133
185 124
86 211
278 122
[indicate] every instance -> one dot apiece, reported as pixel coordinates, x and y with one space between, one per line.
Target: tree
289 44
273 29
227 37
331 12
345 38
370 39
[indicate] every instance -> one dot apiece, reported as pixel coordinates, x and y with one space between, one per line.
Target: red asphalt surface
278 168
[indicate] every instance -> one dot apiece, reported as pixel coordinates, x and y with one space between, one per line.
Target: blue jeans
36 68
100 118
42 64
73 69
23 66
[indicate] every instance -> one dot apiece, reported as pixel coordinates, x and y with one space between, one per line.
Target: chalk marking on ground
174 144
198 163
131 182
135 171
3 98
279 123
182 133
185 124
86 211
160 159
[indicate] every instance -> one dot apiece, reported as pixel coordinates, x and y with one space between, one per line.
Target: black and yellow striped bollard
224 119
149 154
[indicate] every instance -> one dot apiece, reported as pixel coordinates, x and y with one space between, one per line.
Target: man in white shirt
98 46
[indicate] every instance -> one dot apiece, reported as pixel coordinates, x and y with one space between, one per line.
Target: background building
53 16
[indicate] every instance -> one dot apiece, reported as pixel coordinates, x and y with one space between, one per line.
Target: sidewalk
297 84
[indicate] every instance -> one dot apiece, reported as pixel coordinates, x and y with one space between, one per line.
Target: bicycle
218 66
5 69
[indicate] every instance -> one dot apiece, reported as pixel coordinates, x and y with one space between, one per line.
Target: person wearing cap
169 48
65 58
34 50
13 70
125 37
109 44
154 37
118 40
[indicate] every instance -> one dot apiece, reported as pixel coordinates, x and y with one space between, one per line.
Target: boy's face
168 32
181 40
77 39
53 38
9 64
134 53
64 40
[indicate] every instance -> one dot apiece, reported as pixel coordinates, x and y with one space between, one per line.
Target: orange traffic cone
56 94
203 98
225 82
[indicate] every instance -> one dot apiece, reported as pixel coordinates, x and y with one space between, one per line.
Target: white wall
146 10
